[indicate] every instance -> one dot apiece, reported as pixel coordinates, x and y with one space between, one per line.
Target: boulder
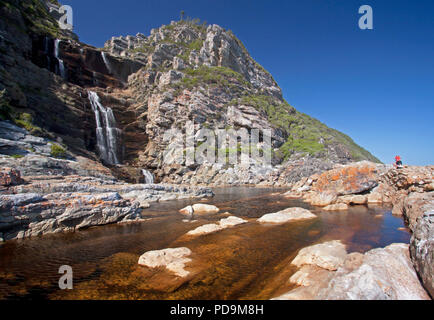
384 274
231 222
380 274
322 199
205 229
310 275
200 209
337 207
329 255
350 179
375 198
173 260
287 215
215 227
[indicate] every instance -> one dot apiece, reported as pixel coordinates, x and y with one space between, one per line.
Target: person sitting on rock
398 162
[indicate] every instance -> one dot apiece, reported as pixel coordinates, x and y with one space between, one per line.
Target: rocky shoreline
409 190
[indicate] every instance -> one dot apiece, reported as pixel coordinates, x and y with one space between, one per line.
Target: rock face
173 259
328 273
287 215
30 215
10 177
422 249
155 86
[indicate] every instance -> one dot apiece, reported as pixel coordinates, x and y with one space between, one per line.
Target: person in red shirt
398 161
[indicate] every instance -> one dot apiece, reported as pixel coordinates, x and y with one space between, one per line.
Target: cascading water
62 71
149 177
106 62
107 134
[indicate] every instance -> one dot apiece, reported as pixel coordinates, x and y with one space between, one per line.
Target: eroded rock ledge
41 205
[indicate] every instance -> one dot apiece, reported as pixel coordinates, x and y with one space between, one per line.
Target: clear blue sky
375 85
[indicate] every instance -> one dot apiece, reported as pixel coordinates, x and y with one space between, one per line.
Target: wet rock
321 199
221 225
231 222
205 229
173 260
337 207
287 215
199 209
329 255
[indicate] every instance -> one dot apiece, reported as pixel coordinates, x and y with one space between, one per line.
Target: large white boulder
173 259
329 255
287 215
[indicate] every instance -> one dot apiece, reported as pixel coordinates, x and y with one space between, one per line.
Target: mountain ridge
153 85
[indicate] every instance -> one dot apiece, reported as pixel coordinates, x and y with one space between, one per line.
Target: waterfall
149 177
62 72
46 44
106 62
107 134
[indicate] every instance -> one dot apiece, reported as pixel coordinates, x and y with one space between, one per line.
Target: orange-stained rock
10 177
351 179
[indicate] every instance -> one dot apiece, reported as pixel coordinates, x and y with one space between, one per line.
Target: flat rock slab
287 215
173 259
336 207
215 227
329 255
200 209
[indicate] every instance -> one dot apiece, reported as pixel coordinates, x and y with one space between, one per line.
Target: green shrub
58 152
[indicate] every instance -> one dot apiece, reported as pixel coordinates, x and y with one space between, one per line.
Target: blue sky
375 85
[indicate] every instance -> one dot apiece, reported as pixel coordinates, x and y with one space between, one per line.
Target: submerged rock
287 215
173 260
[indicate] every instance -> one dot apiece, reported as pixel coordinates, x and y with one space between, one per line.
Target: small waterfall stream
62 71
149 177
107 134
106 62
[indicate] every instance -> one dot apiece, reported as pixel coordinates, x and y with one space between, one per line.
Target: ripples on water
251 261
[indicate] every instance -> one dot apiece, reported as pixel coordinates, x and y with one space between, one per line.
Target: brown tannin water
250 261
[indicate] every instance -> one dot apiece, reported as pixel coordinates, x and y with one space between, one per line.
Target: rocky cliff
183 76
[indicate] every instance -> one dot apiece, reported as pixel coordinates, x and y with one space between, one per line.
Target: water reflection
250 261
